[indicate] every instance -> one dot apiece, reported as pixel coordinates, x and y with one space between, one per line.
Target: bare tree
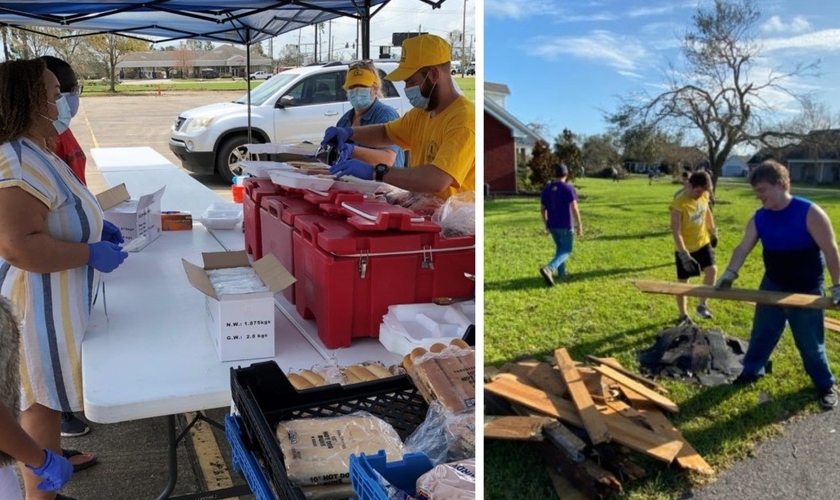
184 59
716 95
109 50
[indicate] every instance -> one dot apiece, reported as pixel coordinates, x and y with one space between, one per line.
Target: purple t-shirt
557 198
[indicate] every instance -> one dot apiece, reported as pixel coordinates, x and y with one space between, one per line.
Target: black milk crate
264 397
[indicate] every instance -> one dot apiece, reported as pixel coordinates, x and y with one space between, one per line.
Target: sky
566 60
396 16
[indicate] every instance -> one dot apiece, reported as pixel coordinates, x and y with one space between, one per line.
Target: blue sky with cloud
565 60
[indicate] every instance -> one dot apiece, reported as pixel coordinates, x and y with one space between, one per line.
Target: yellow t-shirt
446 141
694 232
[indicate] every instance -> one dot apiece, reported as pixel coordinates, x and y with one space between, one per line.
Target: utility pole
316 43
300 57
464 41
357 39
329 42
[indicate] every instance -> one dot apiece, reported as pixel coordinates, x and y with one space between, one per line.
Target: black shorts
705 256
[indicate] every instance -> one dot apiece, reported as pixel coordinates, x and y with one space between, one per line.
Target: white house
735 166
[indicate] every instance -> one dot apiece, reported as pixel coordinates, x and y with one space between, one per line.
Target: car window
319 89
388 89
265 90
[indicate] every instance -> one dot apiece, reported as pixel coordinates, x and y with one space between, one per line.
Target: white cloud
824 40
519 9
776 25
629 74
617 51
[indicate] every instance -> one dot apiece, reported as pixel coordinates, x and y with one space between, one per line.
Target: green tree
541 164
110 49
715 94
567 151
290 56
601 151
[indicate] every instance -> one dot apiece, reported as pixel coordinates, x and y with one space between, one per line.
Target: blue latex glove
835 294
337 136
346 152
106 256
55 472
111 233
356 168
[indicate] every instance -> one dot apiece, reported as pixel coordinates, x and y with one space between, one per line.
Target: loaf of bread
453 481
444 374
317 450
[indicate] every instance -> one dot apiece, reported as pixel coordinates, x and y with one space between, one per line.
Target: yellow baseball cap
420 52
359 76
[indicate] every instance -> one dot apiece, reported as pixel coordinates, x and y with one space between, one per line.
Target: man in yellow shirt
693 229
439 130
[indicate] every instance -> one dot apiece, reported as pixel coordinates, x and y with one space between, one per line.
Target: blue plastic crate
403 474
245 462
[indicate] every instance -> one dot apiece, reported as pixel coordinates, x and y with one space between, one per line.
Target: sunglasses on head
360 64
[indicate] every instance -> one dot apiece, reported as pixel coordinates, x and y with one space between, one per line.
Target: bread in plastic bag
443 436
452 481
456 216
317 450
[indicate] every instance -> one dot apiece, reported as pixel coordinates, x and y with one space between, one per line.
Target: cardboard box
176 221
241 325
135 218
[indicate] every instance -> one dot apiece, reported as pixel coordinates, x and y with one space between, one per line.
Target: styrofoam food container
221 216
300 181
350 183
262 169
407 326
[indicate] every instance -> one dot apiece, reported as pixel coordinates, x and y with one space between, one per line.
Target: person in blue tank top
797 241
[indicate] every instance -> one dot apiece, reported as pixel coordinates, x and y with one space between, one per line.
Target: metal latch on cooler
427 258
363 263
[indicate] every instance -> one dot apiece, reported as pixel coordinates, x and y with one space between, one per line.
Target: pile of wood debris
571 412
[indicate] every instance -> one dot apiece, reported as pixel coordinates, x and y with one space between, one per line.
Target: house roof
498 88
817 144
223 55
518 129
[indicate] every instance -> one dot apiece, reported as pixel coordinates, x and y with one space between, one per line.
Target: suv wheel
231 152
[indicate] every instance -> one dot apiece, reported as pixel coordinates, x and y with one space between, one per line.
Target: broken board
742 294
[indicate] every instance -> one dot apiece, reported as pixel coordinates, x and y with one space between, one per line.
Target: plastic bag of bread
452 481
444 436
317 450
445 374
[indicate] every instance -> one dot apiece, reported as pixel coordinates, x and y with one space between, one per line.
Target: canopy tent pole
366 31
248 76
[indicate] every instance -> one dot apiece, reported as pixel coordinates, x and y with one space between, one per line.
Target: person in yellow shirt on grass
695 236
439 130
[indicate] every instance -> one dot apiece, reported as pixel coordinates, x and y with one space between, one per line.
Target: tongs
327 154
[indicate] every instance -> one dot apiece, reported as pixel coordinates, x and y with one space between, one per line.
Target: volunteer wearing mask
363 90
439 131
65 144
53 247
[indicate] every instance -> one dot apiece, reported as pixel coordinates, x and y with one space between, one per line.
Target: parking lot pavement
133 455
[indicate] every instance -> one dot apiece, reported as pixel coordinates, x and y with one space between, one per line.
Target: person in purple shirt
798 242
558 206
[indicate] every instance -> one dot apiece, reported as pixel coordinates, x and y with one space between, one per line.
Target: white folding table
147 352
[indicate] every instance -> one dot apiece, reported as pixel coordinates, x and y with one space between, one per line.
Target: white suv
260 75
293 106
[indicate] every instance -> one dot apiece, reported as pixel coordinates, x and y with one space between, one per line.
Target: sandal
79 460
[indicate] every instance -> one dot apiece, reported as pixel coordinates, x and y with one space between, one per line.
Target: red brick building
507 141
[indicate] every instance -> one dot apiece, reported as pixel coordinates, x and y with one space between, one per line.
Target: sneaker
71 426
684 320
828 398
547 275
704 311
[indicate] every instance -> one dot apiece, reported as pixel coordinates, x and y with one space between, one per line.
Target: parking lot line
213 467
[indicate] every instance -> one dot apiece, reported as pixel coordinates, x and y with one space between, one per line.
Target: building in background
507 141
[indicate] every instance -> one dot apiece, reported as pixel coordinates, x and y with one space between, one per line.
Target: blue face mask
359 98
61 123
415 96
73 102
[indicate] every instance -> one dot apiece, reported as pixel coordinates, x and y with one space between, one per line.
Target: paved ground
132 455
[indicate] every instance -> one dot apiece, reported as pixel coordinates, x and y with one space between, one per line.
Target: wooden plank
652 395
741 294
832 324
622 430
548 379
624 371
515 428
688 457
592 422
587 476
563 487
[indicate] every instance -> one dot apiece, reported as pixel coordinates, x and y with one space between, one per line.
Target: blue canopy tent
238 21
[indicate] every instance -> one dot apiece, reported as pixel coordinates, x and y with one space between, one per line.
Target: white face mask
62 123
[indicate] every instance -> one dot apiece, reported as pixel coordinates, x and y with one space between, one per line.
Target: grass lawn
98 88
597 311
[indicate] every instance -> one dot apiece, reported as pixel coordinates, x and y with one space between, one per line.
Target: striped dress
54 308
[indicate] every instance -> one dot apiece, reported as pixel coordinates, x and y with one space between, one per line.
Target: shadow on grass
639 236
528 282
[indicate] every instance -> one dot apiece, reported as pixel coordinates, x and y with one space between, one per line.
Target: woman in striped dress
51 252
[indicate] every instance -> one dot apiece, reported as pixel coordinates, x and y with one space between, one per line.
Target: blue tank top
792 258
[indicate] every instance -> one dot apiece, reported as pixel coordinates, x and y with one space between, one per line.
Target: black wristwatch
379 171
